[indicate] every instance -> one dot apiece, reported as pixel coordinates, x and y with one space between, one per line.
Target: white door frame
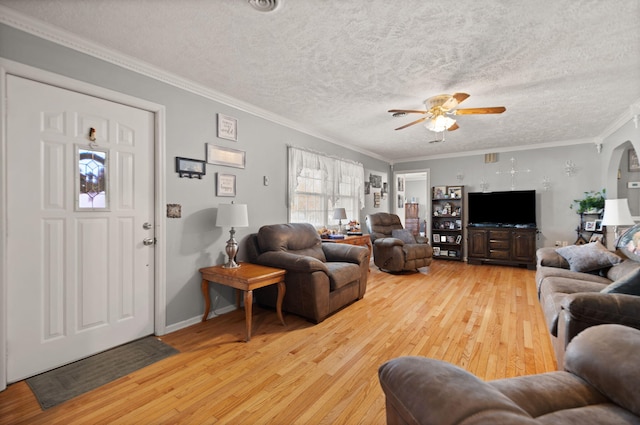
25 71
427 171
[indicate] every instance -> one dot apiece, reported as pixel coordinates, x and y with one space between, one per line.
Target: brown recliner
321 277
402 252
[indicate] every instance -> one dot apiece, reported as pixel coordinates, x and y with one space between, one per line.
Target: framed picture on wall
225 185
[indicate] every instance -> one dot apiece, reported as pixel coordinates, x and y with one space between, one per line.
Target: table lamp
339 214
616 213
232 215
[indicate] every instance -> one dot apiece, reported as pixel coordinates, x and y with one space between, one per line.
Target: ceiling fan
439 109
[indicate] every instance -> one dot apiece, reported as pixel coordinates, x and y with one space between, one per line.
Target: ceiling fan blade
489 110
408 111
455 126
412 123
454 100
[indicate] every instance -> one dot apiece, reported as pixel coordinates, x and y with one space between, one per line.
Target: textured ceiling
566 70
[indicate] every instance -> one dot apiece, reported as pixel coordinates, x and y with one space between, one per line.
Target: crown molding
64 38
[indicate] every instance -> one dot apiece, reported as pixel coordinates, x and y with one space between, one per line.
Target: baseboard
194 320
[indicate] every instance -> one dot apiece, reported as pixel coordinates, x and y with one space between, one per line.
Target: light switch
265 180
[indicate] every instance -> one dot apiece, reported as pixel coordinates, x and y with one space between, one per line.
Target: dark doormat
64 383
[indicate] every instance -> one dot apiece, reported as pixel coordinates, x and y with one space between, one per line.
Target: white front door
80 276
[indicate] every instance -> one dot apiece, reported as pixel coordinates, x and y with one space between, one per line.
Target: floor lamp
232 215
616 213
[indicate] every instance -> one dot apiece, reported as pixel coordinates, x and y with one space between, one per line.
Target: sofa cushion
342 274
622 269
588 257
404 235
544 272
628 284
554 291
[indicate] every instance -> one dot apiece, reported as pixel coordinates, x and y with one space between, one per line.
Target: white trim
64 38
25 71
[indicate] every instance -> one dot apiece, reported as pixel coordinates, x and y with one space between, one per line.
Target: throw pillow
404 235
588 257
628 284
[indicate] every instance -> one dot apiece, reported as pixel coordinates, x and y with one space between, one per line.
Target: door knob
149 241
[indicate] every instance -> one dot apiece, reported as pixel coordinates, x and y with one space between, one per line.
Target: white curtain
338 173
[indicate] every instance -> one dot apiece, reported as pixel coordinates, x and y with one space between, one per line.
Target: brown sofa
600 384
573 300
395 249
321 277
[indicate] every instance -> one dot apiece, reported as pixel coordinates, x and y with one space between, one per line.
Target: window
318 184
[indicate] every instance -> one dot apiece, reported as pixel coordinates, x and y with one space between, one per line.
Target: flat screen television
512 208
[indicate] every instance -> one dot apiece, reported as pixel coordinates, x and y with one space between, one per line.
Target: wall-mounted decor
634 164
376 199
375 180
174 210
186 167
225 185
367 188
227 127
225 156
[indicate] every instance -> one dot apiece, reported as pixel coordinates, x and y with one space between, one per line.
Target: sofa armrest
547 256
345 253
388 242
420 390
291 262
607 358
595 308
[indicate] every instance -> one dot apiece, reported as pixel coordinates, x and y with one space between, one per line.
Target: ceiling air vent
264 5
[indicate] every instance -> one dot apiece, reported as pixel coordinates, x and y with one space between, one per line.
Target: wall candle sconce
546 183
569 168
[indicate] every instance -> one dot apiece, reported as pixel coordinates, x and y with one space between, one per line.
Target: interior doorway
413 187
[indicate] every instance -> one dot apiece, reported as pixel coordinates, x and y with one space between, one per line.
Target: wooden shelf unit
447 208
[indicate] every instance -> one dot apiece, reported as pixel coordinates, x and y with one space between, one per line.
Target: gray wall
193 241
556 220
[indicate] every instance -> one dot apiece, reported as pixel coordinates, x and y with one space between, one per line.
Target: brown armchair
394 248
321 277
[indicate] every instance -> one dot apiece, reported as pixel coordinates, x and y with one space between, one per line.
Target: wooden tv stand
510 246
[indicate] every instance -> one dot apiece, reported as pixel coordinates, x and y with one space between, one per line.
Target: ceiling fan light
439 123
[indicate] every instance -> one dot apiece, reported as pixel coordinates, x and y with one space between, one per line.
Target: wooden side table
245 278
361 240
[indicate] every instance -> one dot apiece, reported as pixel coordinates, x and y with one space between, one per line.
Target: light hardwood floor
486 319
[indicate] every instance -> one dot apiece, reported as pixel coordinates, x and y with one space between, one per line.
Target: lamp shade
232 215
339 214
616 213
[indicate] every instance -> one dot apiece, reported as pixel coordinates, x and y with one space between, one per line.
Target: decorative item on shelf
616 213
592 203
353 228
339 214
232 215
